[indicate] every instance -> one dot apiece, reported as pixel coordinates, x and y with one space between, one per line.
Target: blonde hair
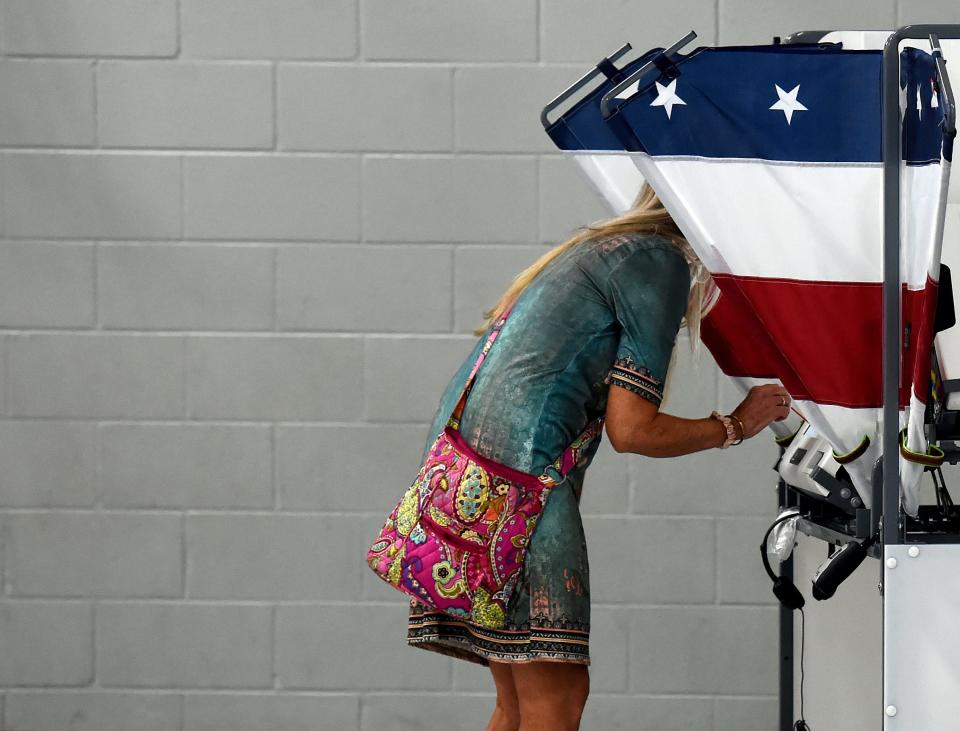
647 215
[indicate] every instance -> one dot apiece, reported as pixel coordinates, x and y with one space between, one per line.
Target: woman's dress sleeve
648 292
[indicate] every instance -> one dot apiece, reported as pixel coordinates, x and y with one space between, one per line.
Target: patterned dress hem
450 636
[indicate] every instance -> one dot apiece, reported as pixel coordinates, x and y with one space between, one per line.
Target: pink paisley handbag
458 537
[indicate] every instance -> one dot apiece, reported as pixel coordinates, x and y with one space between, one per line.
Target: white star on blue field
788 103
667 97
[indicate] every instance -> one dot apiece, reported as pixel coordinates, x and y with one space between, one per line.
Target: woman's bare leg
506 714
552 695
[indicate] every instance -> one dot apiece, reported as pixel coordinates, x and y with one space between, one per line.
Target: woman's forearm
671 436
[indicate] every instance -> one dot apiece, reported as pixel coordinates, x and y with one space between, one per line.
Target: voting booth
810 176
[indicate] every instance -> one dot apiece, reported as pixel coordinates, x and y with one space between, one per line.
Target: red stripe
823 340
916 362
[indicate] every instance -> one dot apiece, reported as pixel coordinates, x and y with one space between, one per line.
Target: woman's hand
763 405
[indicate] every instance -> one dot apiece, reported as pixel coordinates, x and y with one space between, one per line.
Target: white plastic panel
921 684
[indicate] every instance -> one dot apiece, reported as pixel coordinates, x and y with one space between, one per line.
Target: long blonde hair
647 215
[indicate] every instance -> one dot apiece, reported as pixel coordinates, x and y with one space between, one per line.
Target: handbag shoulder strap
454 420
570 456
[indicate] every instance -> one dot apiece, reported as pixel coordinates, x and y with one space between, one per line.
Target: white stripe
776 220
613 176
779 219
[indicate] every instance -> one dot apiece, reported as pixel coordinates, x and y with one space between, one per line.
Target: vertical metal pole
891 154
786 632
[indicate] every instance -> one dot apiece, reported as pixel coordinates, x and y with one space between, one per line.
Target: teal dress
605 312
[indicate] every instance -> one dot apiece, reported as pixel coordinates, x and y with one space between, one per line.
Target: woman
601 309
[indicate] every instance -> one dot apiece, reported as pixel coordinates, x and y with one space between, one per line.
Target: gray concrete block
46 285
82 195
330 467
275 378
186 466
92 711
277 29
273 557
842 639
926 11
47 102
606 483
641 713
498 107
671 559
574 31
609 648
745 714
255 712
161 104
353 647
90 554
185 287
709 650
413 712
735 481
691 386
744 22
481 275
364 108
95 28
951 222
47 463
472 677
740 575
95 375
567 200
419 30
448 199
271 197
46 643
317 288
710 482
404 377
183 646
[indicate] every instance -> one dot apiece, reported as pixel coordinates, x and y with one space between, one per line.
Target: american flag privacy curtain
769 160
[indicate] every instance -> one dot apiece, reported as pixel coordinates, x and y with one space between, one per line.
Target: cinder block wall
240 243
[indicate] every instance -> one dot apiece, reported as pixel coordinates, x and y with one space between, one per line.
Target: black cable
801 724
